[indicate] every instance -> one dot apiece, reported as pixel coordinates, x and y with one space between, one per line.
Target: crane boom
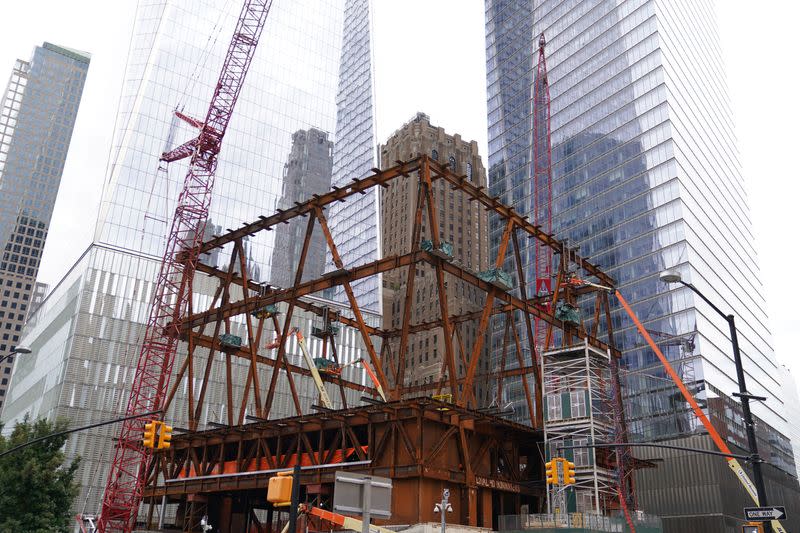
323 394
151 380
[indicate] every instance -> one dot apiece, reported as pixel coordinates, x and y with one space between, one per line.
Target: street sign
350 496
765 514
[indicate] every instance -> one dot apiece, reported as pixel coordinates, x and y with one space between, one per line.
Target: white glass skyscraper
85 337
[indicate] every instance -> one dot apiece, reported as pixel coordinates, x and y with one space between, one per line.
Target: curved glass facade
306 84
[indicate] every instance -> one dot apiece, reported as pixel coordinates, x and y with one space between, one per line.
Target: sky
430 57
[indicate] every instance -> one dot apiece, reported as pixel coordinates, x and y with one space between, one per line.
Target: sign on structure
363 495
765 514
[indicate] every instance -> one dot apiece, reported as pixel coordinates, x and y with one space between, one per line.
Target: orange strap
715 436
328 516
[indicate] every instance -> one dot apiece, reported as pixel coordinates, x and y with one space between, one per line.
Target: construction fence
579 523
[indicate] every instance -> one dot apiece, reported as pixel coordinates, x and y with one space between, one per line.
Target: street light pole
671 276
444 507
19 350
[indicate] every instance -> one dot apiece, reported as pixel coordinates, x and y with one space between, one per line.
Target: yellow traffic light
279 490
165 437
569 473
149 439
551 472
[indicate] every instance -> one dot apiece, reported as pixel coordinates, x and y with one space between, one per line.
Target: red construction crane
542 184
125 478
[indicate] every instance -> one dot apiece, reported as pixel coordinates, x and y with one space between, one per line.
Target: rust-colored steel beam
358 186
507 373
302 304
444 313
304 289
523 292
287 323
508 213
351 297
487 312
244 353
411 276
371 269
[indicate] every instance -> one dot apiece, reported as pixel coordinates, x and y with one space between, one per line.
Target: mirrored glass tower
85 336
646 177
37 115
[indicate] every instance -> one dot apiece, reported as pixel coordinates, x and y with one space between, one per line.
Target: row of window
452 163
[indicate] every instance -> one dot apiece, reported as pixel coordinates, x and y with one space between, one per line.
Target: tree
36 486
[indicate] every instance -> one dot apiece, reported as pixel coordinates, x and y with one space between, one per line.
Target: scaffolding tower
578 396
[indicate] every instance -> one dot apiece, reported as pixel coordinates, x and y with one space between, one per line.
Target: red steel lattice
173 286
542 184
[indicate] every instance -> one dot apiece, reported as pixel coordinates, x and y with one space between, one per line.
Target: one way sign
765 514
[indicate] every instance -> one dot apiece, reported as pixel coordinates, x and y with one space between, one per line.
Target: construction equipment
733 463
173 285
228 340
344 522
497 277
312 367
87 523
371 375
319 365
542 185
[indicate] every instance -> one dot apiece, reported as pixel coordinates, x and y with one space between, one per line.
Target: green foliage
36 487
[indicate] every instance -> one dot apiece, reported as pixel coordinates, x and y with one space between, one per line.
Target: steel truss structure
237 299
420 443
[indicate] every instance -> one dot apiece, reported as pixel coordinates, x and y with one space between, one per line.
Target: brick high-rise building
37 115
462 223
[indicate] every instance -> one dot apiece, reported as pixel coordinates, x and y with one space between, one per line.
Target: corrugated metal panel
694 492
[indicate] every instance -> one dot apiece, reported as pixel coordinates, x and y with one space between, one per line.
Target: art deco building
307 171
461 223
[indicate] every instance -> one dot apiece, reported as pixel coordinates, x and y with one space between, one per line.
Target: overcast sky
430 56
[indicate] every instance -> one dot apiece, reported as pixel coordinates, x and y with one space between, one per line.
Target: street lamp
19 350
673 276
444 507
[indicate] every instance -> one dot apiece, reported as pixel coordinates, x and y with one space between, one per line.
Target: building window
584 501
469 171
554 407
452 162
577 402
435 155
580 455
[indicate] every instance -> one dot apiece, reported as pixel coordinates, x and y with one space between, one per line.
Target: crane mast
173 285
542 184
